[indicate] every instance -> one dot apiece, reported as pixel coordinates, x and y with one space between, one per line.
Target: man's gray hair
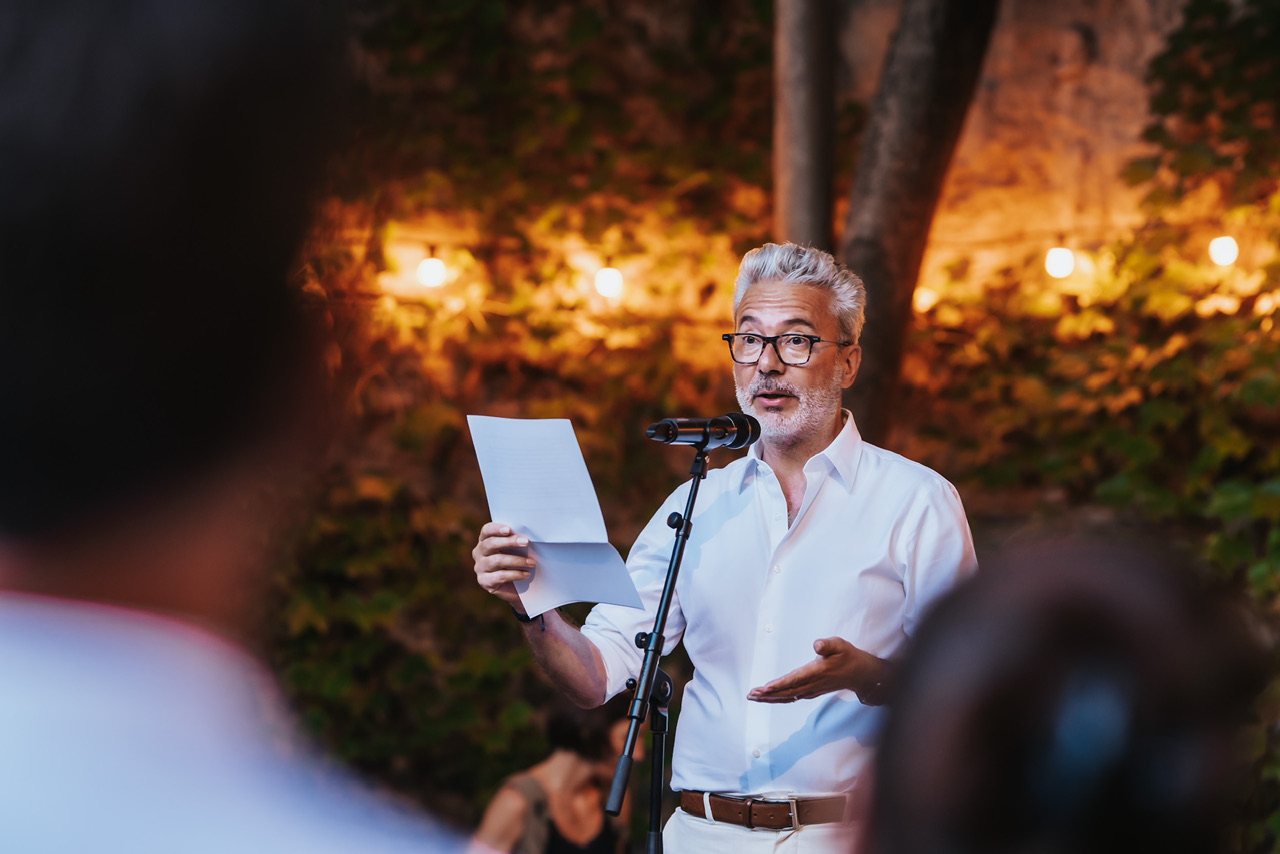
804 265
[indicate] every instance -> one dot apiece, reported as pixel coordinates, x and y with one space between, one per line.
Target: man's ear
852 361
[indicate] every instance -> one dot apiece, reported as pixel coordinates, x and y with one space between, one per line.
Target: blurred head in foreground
158 162
158 159
1072 697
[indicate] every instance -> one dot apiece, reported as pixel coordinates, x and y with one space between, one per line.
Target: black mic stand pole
653 689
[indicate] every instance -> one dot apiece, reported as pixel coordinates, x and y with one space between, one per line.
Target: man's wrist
874 688
525 619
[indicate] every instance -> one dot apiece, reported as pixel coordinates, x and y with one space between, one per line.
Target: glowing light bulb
1224 251
432 272
609 282
924 299
1059 262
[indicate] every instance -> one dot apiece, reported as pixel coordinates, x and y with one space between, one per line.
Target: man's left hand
840 666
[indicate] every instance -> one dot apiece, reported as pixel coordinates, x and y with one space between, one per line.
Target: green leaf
1232 501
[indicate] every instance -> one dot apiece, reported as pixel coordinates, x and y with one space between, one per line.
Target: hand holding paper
537 482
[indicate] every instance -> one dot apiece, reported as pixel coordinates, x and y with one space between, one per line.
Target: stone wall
1057 113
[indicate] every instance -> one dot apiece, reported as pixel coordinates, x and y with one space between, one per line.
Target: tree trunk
804 120
928 81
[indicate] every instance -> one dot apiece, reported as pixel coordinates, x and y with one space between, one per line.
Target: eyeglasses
793 349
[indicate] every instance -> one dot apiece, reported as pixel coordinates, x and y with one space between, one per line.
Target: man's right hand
573 662
501 559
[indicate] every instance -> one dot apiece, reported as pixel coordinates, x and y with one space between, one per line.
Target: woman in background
557 806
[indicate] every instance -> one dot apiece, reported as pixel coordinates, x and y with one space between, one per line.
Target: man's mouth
772 398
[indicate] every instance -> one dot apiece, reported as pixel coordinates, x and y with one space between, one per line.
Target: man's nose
769 362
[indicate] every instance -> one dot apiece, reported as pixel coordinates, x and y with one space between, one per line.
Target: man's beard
811 414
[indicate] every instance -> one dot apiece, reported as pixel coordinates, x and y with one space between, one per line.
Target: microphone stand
653 689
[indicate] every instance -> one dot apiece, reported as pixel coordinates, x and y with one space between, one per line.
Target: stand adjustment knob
642 639
674 521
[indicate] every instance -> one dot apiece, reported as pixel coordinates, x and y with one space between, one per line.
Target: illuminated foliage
1214 104
1148 383
550 138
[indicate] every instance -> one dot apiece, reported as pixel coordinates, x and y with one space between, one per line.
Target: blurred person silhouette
557 806
1073 697
158 161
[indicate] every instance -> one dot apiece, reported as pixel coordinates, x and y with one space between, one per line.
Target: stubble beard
810 416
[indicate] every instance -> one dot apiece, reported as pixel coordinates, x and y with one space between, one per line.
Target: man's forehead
775 302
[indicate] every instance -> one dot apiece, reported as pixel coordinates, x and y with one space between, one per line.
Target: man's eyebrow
799 321
795 321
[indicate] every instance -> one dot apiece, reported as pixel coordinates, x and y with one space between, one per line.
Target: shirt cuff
619 666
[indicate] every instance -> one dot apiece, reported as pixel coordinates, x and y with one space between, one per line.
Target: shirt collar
841 457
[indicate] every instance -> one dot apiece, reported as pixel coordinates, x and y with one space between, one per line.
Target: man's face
792 403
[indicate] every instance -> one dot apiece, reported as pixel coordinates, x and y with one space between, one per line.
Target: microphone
734 430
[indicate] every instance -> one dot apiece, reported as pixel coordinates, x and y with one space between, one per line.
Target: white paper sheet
537 482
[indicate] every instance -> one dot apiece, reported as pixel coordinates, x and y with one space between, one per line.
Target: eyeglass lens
792 349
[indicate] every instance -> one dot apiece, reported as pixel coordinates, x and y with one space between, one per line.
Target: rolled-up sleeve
613 628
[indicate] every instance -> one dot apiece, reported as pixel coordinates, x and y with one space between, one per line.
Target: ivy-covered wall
1146 387
528 142
532 141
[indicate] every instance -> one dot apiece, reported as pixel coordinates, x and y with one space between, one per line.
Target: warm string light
1224 250
1059 262
432 272
609 281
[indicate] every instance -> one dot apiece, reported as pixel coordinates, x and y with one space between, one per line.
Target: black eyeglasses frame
814 340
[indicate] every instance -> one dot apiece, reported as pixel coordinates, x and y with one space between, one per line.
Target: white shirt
876 540
128 732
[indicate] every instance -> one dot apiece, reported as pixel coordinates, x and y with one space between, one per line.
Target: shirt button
756 754
768 628
777 568
777 517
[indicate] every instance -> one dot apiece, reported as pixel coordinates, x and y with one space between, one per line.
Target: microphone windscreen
746 432
662 431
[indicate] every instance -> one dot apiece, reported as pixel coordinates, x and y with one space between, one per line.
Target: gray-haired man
810 562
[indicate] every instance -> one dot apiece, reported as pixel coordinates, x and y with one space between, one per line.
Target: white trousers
687 834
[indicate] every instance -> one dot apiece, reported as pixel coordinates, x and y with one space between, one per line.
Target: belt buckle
790 801
795 813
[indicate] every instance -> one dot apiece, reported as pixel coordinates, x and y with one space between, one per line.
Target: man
157 162
816 542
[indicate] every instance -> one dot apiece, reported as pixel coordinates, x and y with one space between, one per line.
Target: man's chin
774 424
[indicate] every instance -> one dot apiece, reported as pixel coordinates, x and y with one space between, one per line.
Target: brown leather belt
766 813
